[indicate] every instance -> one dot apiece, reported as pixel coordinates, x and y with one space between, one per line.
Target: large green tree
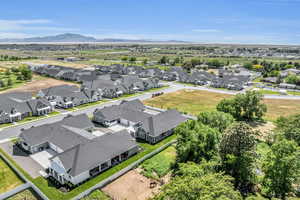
196 183
237 152
216 119
246 106
289 127
196 142
282 168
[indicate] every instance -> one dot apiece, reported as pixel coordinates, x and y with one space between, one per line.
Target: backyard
9 180
194 101
160 164
28 194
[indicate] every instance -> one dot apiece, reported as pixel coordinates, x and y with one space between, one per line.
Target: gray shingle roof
88 155
59 133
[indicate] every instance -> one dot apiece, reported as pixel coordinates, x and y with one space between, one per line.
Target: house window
104 166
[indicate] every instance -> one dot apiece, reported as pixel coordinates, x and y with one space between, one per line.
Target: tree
2 84
196 142
124 58
194 183
7 72
145 61
163 60
132 59
289 127
237 152
248 66
9 82
215 63
216 119
25 72
282 168
246 106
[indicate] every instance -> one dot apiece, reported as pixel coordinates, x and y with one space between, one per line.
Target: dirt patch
133 186
37 84
265 129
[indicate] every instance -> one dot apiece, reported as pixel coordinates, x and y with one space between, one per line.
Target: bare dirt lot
133 186
37 84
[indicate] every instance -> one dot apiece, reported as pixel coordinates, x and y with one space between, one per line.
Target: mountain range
77 38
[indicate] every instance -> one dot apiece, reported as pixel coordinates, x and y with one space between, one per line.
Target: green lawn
28 194
97 195
8 179
54 194
269 92
293 93
160 164
91 104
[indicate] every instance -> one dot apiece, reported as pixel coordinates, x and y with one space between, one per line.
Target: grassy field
28 194
193 102
53 194
8 179
96 195
160 164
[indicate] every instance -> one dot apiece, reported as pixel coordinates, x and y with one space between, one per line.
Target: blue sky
205 21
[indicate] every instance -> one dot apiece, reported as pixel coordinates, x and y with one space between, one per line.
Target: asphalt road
14 131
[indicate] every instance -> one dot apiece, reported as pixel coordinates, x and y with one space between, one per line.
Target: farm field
8 179
193 102
28 194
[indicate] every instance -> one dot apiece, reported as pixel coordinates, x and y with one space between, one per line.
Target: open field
8 179
61 63
37 84
160 164
28 194
193 102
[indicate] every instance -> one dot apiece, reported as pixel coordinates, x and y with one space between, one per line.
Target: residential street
14 131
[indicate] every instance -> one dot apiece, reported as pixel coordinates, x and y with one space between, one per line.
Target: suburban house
16 106
143 124
67 96
76 153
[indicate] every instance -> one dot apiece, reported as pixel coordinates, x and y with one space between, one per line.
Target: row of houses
234 80
80 150
16 106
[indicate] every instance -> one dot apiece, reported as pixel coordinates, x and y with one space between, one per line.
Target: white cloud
206 30
18 27
14 35
9 25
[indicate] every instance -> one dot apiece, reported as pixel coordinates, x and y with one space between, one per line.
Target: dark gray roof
133 105
60 133
88 155
162 122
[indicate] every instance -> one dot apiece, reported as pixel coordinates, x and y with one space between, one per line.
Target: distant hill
71 37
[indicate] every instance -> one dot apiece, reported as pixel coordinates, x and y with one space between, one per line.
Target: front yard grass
8 179
195 101
52 193
160 164
28 194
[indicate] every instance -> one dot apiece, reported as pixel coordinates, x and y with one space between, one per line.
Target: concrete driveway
22 159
